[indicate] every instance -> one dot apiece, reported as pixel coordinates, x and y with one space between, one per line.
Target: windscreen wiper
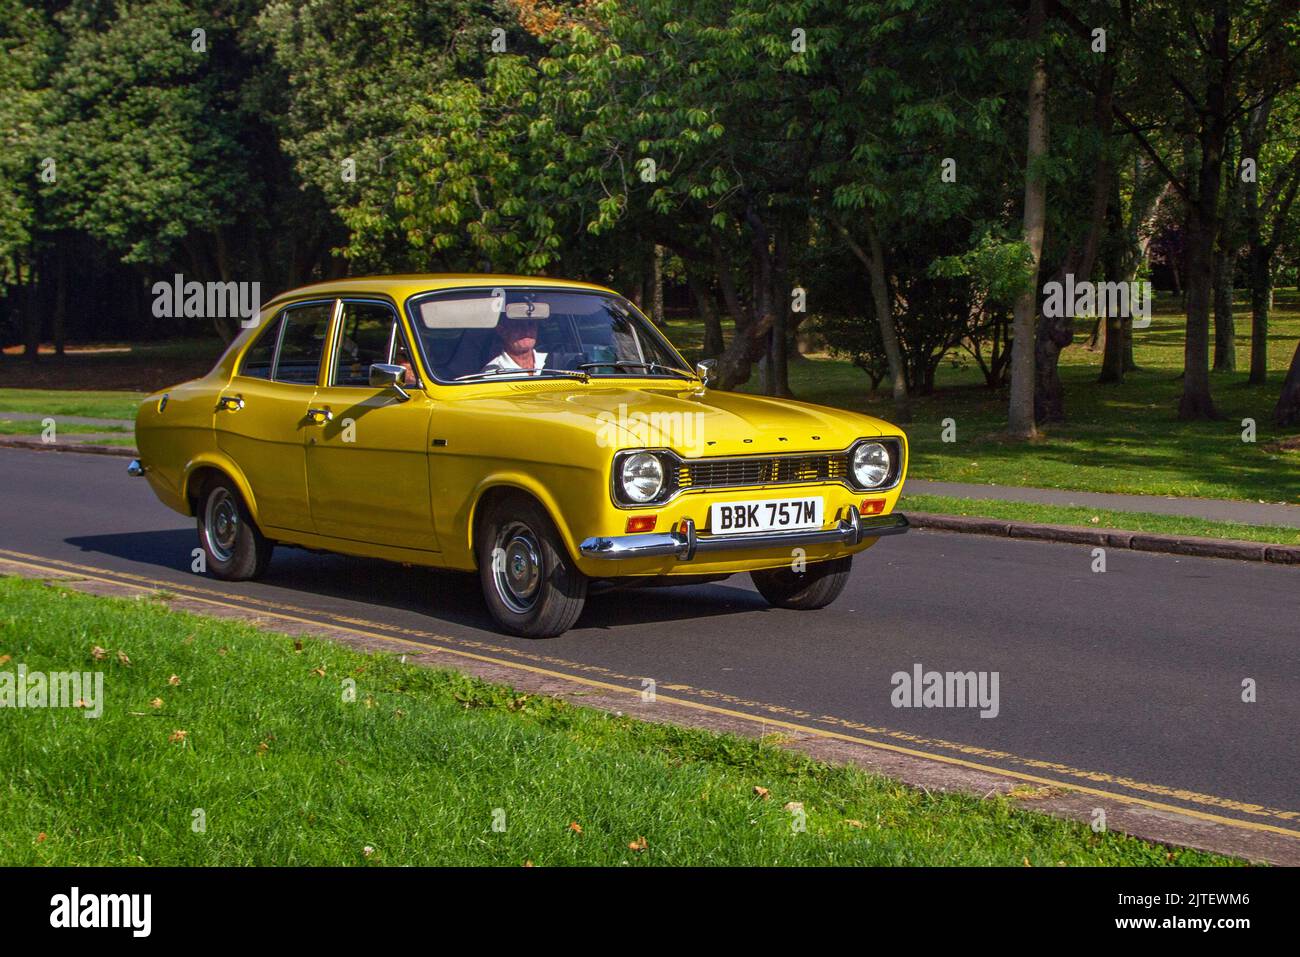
652 366
486 373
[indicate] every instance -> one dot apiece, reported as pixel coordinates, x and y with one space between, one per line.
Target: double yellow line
447 644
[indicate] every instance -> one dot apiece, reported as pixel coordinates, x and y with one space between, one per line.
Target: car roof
402 287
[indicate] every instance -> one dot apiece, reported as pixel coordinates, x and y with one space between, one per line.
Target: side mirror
385 376
707 370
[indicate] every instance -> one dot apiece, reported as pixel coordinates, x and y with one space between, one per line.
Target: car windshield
472 335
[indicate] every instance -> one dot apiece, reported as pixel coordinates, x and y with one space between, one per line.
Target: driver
517 339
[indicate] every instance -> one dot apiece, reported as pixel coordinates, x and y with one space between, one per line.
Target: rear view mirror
386 376
707 370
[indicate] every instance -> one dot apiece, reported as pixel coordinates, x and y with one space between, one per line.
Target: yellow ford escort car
538 431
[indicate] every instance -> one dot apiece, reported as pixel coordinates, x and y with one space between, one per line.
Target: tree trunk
779 381
1225 334
873 259
1196 402
1057 332
885 318
1020 412
1287 412
708 310
31 315
60 298
749 344
1261 294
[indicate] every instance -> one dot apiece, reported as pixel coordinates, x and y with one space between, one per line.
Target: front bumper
684 543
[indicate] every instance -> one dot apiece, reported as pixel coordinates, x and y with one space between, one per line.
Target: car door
261 420
367 465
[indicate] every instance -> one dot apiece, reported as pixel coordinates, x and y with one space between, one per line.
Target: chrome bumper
685 544
135 469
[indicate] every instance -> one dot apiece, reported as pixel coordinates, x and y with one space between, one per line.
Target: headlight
642 477
871 465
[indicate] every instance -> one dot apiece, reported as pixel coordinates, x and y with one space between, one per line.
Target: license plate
786 514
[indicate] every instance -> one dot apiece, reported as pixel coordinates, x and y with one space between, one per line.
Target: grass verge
56 402
1099 518
254 731
34 427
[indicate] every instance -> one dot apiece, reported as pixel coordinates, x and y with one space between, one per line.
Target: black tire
533 589
234 547
816 586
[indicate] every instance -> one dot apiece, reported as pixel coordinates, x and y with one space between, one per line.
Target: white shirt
504 361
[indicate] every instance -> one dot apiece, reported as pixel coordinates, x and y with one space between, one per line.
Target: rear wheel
529 582
234 547
816 586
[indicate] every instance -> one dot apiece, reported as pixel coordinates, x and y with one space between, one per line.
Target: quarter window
260 357
302 343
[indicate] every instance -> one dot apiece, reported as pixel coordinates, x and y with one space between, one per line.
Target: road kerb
1111 538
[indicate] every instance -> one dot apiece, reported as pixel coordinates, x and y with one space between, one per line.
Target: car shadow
321 580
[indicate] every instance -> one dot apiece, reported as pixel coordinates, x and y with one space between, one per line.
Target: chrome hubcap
517 567
221 525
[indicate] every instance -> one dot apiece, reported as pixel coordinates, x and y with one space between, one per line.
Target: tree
1222 62
1020 415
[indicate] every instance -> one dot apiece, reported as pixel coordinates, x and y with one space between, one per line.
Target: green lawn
253 730
56 402
34 427
1118 438
1098 518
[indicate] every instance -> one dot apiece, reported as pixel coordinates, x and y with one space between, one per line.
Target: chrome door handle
320 416
230 403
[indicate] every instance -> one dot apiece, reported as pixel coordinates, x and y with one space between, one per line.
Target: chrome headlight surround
875 464
635 469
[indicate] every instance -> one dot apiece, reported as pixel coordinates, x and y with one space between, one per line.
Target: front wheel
816 586
234 547
529 582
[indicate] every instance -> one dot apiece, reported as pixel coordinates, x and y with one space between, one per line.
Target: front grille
763 470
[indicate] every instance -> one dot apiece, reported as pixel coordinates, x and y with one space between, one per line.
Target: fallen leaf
263 748
761 791
575 827
5 659
122 657
528 864
81 703
40 838
222 651
1027 864
367 850
852 823
640 844
174 680
793 806
318 672
178 735
156 703
98 653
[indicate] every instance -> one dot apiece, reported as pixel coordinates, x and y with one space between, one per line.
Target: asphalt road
1129 680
